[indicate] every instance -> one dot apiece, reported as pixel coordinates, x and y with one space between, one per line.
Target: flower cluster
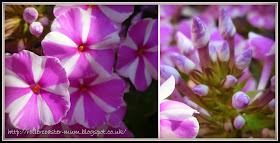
80 77
215 71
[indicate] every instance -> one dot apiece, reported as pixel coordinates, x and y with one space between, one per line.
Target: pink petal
179 129
117 13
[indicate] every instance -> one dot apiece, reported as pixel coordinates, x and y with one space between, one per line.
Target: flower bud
228 126
183 63
201 90
44 21
223 53
199 33
226 27
271 104
239 122
229 81
240 100
21 45
213 53
30 14
272 84
36 28
184 44
265 132
243 60
167 71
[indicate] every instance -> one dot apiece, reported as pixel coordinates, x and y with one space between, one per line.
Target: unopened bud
229 81
201 90
226 27
240 100
183 63
199 33
243 60
271 105
213 53
223 53
239 122
272 84
44 21
167 71
184 44
228 126
36 28
30 14
265 132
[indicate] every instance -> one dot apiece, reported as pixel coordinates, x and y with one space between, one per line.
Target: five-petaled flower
138 54
36 90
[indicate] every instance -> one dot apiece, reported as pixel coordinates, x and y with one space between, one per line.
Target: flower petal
117 13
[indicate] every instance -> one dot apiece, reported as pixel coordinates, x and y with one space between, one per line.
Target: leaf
258 121
252 94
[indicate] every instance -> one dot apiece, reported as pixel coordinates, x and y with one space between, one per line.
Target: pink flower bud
271 104
240 100
272 84
265 132
44 21
243 60
184 44
226 27
199 33
223 53
183 63
167 71
239 122
229 81
201 90
228 126
213 53
36 28
30 14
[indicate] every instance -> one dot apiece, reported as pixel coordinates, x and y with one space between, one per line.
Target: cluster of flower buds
30 15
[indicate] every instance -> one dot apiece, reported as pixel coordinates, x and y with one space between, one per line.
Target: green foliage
258 121
141 116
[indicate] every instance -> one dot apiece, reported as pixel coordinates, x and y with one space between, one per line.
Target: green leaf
252 94
258 121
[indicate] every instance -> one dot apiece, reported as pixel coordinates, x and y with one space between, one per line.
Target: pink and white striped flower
262 16
176 118
82 41
93 98
138 54
117 13
36 90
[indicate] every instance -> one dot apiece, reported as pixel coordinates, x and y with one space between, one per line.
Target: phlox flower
263 49
176 118
117 13
262 16
36 90
92 99
138 54
82 41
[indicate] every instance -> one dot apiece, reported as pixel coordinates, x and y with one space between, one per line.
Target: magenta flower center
35 88
83 87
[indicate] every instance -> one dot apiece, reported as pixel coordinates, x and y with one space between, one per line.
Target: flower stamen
36 88
140 51
83 88
81 48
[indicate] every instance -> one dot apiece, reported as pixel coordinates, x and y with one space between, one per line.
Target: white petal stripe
57 37
16 106
103 105
12 79
148 31
97 67
38 66
69 63
45 114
